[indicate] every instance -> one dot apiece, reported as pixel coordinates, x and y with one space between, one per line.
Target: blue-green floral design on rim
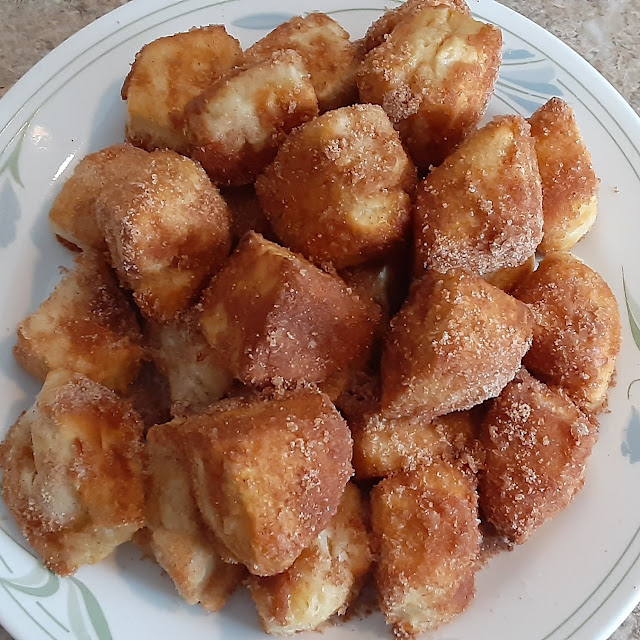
30 592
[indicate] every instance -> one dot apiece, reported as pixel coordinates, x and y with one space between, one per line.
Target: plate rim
28 88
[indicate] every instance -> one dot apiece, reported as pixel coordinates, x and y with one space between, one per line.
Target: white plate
577 578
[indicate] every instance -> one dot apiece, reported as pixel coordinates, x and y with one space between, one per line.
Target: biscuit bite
537 444
275 318
167 229
433 75
72 474
329 56
268 474
86 325
455 343
481 210
179 539
576 335
425 530
324 579
569 182
73 213
166 74
197 376
383 444
337 191
387 22
236 126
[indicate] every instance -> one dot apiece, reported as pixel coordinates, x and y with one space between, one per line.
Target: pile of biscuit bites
309 260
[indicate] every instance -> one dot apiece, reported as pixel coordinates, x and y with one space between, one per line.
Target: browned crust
248 454
167 229
337 191
456 342
387 22
87 325
73 214
577 333
72 476
159 86
278 104
433 103
303 325
481 210
537 444
425 527
568 178
324 579
329 56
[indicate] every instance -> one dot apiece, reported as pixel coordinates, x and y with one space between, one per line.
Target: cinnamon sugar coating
324 579
275 318
456 342
268 473
434 76
577 333
537 444
86 325
337 191
481 210
72 473
236 126
329 56
73 213
167 229
384 444
569 182
425 530
166 74
178 537
387 22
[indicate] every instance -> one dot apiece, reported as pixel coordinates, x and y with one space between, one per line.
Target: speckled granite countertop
605 32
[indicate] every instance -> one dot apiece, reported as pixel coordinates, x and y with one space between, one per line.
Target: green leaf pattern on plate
633 311
12 163
85 618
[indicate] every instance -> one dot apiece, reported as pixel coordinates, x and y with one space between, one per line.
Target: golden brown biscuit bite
268 474
328 54
434 76
179 539
197 376
73 213
86 325
236 126
537 444
387 22
166 74
425 528
337 191
576 335
324 579
72 473
384 444
456 342
167 229
481 210
275 318
569 182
